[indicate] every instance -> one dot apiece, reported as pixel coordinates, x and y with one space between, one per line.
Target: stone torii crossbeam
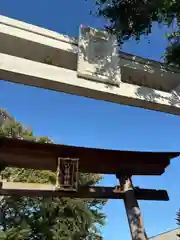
90 66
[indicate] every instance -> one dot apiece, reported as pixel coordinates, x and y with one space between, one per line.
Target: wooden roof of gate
27 154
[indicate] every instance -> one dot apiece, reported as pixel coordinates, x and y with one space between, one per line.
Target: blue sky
80 121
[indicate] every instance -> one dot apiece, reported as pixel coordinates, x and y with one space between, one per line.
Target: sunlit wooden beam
47 190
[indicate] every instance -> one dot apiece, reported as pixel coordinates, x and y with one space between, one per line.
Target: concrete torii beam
91 66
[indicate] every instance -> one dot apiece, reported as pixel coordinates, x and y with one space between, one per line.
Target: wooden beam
46 190
43 156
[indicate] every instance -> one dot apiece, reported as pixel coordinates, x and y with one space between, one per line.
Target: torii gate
93 67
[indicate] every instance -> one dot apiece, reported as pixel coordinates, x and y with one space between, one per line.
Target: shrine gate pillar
132 209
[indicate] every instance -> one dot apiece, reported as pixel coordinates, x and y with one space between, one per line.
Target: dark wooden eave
26 154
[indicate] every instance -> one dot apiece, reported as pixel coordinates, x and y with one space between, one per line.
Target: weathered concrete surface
37 74
100 59
35 43
83 69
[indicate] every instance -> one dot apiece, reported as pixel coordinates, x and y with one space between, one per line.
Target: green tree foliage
134 18
42 218
173 50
